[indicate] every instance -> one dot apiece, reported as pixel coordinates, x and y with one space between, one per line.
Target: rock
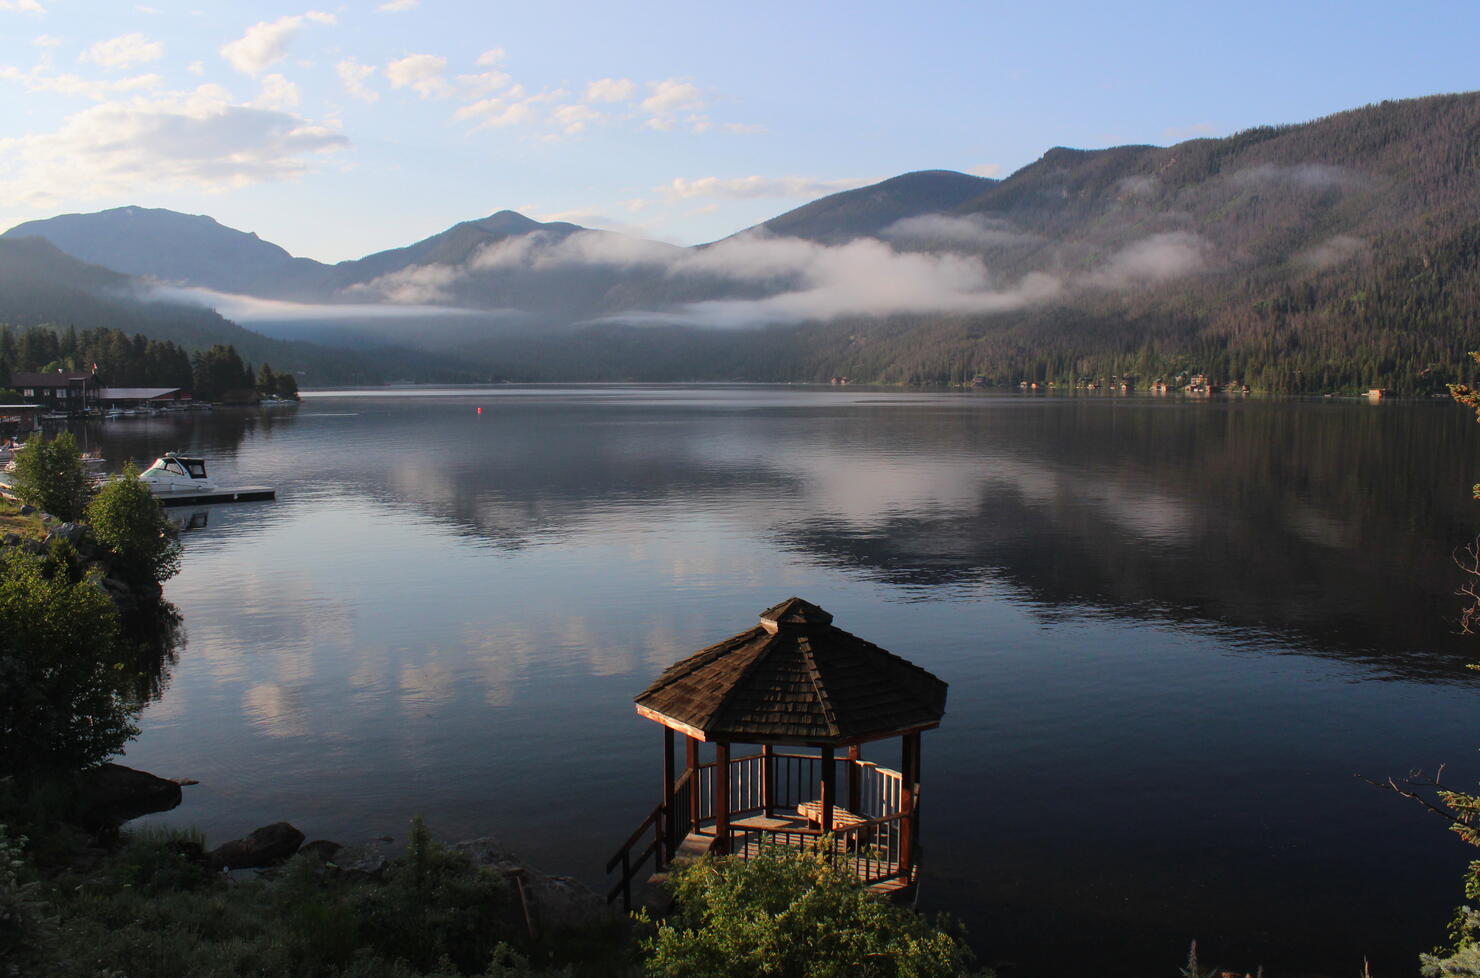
556 903
365 862
27 510
10 540
111 794
263 847
73 533
322 848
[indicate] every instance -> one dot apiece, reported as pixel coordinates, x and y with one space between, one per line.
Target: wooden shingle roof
794 679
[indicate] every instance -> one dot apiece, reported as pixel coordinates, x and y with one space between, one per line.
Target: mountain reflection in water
1173 632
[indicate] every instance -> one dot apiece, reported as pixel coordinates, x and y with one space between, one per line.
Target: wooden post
665 832
829 789
722 798
909 757
768 779
855 803
691 752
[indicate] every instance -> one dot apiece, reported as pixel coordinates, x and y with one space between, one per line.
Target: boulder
27 510
111 794
322 848
73 533
363 862
263 847
556 903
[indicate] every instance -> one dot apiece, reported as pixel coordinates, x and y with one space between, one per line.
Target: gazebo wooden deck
795 682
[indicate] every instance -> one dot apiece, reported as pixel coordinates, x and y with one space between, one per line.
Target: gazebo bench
842 818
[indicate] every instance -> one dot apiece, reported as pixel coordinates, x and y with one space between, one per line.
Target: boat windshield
196 468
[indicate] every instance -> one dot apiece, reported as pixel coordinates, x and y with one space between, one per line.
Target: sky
339 130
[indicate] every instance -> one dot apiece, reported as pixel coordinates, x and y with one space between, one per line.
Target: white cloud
491 57
196 68
1305 176
970 231
38 80
611 90
514 107
266 43
573 119
123 51
985 170
742 128
481 84
198 140
1155 259
276 93
753 187
398 6
670 99
422 73
22 6
45 41
352 75
1333 251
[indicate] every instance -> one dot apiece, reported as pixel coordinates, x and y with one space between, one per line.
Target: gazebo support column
691 759
665 850
855 803
722 798
768 779
909 764
829 787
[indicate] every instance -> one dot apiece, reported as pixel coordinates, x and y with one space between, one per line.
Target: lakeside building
69 392
136 398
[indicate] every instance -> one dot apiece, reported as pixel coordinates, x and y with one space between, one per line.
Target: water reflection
1172 609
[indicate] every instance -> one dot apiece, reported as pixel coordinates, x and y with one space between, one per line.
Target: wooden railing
792 780
873 849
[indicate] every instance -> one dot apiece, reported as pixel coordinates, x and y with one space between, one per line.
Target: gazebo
803 691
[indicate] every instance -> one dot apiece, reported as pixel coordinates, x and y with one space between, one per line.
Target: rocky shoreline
128 597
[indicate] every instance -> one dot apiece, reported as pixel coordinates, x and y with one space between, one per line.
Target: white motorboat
173 473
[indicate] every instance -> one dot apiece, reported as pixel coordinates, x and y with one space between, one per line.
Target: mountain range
1334 254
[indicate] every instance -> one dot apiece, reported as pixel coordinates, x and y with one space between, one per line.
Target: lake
1174 632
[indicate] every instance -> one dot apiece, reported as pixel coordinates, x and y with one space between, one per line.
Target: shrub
128 520
49 476
62 703
791 915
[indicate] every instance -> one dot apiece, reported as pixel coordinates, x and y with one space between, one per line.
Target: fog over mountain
1260 256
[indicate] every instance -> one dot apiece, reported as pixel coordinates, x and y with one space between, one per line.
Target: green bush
62 692
49 476
127 519
785 914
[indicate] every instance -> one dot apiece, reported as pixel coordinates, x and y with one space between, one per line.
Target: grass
11 520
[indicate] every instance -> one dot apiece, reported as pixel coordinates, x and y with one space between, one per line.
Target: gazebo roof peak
794 612
795 678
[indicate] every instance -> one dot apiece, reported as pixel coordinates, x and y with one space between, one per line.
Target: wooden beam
691 758
768 779
829 789
722 798
909 759
855 754
666 833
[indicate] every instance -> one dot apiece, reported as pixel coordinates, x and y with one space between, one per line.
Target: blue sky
339 130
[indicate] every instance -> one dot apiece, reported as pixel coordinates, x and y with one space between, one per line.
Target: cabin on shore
787 706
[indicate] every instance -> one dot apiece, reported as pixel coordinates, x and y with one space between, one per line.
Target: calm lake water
1173 631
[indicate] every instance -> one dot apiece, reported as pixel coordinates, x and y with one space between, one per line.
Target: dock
237 494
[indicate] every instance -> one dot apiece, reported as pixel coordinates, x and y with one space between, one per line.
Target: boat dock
238 494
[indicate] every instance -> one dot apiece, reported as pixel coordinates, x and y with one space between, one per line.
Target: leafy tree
785 914
49 476
127 519
62 701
